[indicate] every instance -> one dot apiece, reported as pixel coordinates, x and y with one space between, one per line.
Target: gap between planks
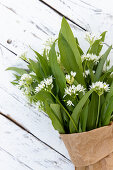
25 129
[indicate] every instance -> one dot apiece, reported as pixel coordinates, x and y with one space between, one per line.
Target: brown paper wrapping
91 150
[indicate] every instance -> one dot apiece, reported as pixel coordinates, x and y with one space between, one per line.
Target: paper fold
88 148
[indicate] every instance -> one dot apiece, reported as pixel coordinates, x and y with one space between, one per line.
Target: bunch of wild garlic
73 88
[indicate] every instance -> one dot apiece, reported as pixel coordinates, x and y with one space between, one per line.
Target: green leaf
68 59
83 117
78 46
56 70
110 94
92 112
97 46
76 112
43 96
101 64
108 112
44 63
106 74
20 71
36 68
107 100
56 110
54 118
69 37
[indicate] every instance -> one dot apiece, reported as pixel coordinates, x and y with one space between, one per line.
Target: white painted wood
95 16
9 162
27 152
28 23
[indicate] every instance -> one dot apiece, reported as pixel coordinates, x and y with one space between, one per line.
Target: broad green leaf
101 64
108 112
36 67
57 111
107 100
56 70
68 59
69 37
54 118
106 74
97 46
92 112
78 46
17 70
43 96
110 94
76 112
44 63
83 117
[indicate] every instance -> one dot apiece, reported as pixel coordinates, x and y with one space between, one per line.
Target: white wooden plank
8 161
27 150
95 16
28 23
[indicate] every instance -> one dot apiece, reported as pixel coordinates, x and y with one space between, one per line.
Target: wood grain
95 16
26 150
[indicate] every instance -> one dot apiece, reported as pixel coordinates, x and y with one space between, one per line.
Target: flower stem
65 110
98 112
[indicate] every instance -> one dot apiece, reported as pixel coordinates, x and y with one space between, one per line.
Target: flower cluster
87 72
91 37
26 79
90 57
74 90
46 84
100 87
40 106
70 77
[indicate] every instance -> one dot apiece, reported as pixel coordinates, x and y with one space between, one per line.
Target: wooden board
94 16
24 151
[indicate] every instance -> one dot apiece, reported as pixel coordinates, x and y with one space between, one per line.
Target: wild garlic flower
91 37
73 73
90 57
26 79
69 103
87 72
74 90
70 77
100 87
46 84
40 105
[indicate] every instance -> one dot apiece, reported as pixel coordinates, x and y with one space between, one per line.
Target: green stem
98 112
65 110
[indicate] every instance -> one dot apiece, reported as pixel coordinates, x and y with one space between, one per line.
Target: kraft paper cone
88 148
104 164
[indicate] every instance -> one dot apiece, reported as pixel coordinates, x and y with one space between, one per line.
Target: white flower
46 84
73 73
68 77
92 37
87 72
26 79
90 57
74 90
100 87
69 103
40 105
